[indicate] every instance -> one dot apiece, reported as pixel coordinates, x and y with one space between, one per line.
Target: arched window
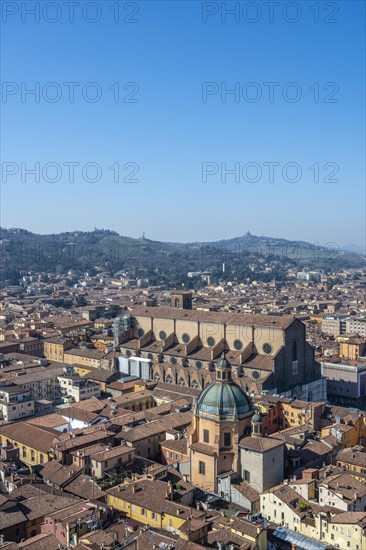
194 385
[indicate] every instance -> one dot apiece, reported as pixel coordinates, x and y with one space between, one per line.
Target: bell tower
257 421
181 299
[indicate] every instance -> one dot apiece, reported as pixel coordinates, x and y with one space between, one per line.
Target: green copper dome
223 398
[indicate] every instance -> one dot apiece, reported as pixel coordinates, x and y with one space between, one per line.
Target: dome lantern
223 369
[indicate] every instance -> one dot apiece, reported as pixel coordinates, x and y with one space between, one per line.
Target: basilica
268 353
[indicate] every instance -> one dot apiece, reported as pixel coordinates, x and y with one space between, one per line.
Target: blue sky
170 131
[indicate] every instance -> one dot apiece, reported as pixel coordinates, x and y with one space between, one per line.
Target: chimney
169 491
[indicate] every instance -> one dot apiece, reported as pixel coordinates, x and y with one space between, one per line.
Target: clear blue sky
170 131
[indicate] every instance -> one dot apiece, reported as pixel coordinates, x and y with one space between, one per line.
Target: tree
112 312
81 301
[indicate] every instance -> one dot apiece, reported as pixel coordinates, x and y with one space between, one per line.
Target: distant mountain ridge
107 250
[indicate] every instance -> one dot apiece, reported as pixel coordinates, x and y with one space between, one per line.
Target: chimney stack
169 491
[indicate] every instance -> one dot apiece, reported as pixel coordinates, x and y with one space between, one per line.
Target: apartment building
41 385
344 492
15 403
75 389
54 348
352 348
334 325
356 325
86 357
354 460
326 524
111 458
157 504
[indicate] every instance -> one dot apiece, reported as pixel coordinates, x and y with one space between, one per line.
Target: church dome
223 401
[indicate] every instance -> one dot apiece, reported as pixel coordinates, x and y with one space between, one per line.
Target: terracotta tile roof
88 353
83 440
247 491
31 504
176 445
260 362
355 456
358 518
213 317
114 452
152 496
259 444
203 448
43 541
346 485
58 474
159 425
176 389
27 434
84 487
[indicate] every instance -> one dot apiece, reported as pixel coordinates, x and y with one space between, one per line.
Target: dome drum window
186 338
198 364
210 341
162 335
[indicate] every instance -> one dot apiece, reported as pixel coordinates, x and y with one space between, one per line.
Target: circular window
173 360
198 364
238 344
211 341
141 332
149 355
186 338
162 335
267 348
128 353
255 374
